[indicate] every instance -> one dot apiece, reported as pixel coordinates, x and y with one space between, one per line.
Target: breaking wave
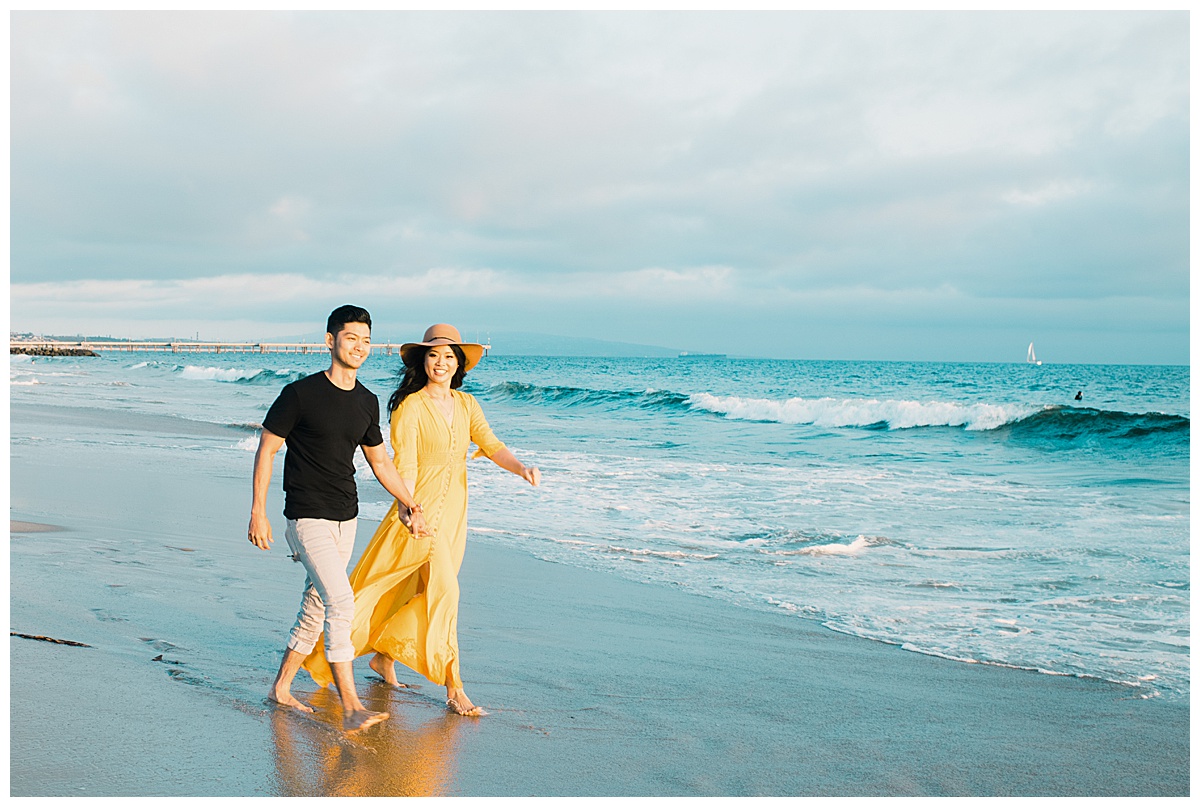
839 412
1056 423
576 396
237 375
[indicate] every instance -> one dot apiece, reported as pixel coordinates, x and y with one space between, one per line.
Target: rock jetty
43 350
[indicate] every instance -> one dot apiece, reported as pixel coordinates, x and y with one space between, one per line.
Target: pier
55 348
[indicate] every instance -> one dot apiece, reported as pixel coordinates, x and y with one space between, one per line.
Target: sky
940 186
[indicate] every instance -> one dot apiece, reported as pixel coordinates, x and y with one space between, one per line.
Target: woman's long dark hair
414 379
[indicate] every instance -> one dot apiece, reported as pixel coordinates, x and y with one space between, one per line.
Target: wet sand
596 686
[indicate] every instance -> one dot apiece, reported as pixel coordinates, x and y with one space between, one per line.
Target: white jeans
324 547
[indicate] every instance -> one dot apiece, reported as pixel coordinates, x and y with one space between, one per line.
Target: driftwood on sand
47 639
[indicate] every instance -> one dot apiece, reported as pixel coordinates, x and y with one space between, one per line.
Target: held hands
416 524
259 532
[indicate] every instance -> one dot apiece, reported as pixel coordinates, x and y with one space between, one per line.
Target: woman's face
440 364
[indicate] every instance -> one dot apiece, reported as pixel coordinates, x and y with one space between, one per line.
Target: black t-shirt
323 426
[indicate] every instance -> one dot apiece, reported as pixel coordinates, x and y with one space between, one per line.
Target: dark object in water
47 639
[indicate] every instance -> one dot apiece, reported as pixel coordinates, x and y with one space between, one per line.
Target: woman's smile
440 363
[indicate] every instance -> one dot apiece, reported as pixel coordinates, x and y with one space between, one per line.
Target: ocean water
972 511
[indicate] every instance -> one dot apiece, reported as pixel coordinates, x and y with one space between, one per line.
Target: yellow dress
406 588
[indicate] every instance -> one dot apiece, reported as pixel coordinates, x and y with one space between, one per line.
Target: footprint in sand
159 644
174 666
107 616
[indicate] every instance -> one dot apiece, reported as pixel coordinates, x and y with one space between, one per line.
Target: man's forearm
394 484
263 461
388 476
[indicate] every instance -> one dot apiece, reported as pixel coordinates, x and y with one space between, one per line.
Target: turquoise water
973 511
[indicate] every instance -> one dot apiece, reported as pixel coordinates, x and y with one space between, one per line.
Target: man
322 419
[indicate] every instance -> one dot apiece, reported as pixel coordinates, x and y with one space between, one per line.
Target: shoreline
596 685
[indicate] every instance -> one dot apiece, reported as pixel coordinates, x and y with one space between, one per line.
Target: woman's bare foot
353 722
286 699
386 669
458 702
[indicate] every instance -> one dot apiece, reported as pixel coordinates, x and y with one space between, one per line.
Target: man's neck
341 376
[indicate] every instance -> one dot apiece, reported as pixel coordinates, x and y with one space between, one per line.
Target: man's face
352 344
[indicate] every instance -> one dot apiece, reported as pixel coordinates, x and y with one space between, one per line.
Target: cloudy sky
940 186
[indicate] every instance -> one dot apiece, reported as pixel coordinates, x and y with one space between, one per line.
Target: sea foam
853 548
194 373
238 375
840 412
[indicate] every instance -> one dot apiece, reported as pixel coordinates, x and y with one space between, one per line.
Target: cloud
561 156
1053 191
235 295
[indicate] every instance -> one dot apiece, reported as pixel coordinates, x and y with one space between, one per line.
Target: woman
406 586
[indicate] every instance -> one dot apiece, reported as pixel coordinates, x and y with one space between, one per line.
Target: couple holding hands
401 600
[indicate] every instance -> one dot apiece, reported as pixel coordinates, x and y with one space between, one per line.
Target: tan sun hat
442 335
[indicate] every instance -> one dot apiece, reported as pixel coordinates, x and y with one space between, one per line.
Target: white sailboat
1032 358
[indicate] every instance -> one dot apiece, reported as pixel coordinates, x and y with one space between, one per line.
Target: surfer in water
322 419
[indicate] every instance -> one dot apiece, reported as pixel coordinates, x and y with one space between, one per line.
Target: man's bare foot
354 722
458 702
286 699
386 669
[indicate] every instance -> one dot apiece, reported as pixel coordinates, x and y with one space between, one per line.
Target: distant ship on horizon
689 355
1031 357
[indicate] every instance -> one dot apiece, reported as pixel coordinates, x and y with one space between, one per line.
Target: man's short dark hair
343 314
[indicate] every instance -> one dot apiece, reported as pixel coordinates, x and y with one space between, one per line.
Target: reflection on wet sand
395 758
32 526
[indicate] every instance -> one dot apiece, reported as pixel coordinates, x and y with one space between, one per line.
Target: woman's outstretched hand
509 462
